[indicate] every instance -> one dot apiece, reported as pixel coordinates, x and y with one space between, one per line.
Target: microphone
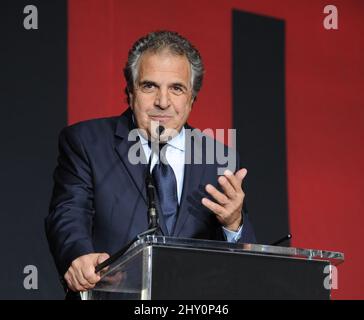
159 131
152 210
287 237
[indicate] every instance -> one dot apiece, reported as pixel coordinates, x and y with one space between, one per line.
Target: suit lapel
137 172
122 146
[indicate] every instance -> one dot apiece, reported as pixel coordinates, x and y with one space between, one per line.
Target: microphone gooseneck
152 209
285 238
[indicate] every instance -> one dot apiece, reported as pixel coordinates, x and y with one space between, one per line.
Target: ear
131 100
193 99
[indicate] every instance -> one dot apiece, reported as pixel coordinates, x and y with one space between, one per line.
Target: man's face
162 92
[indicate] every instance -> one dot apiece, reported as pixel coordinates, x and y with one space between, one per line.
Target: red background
324 99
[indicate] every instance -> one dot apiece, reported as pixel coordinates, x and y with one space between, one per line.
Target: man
99 201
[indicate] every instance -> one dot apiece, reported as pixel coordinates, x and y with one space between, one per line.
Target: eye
148 87
177 89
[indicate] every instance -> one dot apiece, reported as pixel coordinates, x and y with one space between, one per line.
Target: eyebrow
148 82
179 84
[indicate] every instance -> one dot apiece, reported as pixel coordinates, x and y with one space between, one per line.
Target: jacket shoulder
91 130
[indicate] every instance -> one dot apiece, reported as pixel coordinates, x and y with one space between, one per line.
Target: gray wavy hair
158 41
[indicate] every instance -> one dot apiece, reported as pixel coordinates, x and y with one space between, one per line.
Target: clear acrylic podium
158 267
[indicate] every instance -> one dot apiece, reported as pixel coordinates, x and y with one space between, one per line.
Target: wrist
235 226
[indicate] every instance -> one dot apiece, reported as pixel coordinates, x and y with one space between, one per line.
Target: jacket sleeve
69 222
247 233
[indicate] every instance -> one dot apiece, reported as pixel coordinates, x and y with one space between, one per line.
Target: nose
162 99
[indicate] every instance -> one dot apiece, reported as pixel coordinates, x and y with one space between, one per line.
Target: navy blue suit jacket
99 200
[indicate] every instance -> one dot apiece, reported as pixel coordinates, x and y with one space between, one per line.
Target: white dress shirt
175 155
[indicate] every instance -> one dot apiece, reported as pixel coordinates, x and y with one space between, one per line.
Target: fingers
70 279
227 205
214 207
237 179
81 274
217 195
89 275
227 187
232 184
102 257
241 174
76 281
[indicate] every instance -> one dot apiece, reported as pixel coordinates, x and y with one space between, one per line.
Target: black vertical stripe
259 117
33 103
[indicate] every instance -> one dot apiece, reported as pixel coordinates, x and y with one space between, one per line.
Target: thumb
102 257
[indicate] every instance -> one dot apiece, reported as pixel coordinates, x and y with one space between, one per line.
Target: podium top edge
335 258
